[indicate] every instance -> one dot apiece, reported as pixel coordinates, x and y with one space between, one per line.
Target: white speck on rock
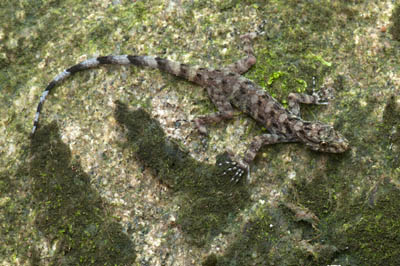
292 175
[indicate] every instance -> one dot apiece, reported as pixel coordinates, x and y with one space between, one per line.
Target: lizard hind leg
321 97
225 110
216 117
244 64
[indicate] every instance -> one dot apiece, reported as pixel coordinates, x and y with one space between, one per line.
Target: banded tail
181 70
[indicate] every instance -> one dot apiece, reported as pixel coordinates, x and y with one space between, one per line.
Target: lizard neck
300 127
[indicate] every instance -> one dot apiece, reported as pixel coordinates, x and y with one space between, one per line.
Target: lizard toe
234 170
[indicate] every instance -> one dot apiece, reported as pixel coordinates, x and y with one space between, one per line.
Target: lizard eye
324 144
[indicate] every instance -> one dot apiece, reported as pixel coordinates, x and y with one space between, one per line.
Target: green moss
211 260
280 77
252 245
262 241
374 230
306 39
13 217
69 214
207 198
389 131
288 61
395 27
316 194
368 224
391 120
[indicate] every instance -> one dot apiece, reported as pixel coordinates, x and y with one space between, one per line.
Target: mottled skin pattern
227 88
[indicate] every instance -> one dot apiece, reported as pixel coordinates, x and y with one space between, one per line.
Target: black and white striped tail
175 68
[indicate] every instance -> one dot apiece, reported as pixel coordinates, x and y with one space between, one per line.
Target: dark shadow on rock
70 215
207 199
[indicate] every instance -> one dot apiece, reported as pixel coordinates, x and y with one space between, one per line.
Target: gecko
227 88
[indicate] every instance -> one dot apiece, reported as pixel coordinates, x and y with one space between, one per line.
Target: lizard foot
234 168
323 95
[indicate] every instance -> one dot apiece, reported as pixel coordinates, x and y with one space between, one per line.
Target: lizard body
227 88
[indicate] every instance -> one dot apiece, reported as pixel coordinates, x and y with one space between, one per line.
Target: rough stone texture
97 193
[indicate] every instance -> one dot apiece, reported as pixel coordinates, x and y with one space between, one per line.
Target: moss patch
51 208
373 232
207 198
72 217
395 27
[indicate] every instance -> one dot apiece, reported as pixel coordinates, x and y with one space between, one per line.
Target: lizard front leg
262 140
242 165
321 97
214 118
295 98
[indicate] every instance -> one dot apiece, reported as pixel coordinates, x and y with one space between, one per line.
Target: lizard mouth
341 146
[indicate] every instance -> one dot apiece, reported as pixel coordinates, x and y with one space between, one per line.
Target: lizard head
322 137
